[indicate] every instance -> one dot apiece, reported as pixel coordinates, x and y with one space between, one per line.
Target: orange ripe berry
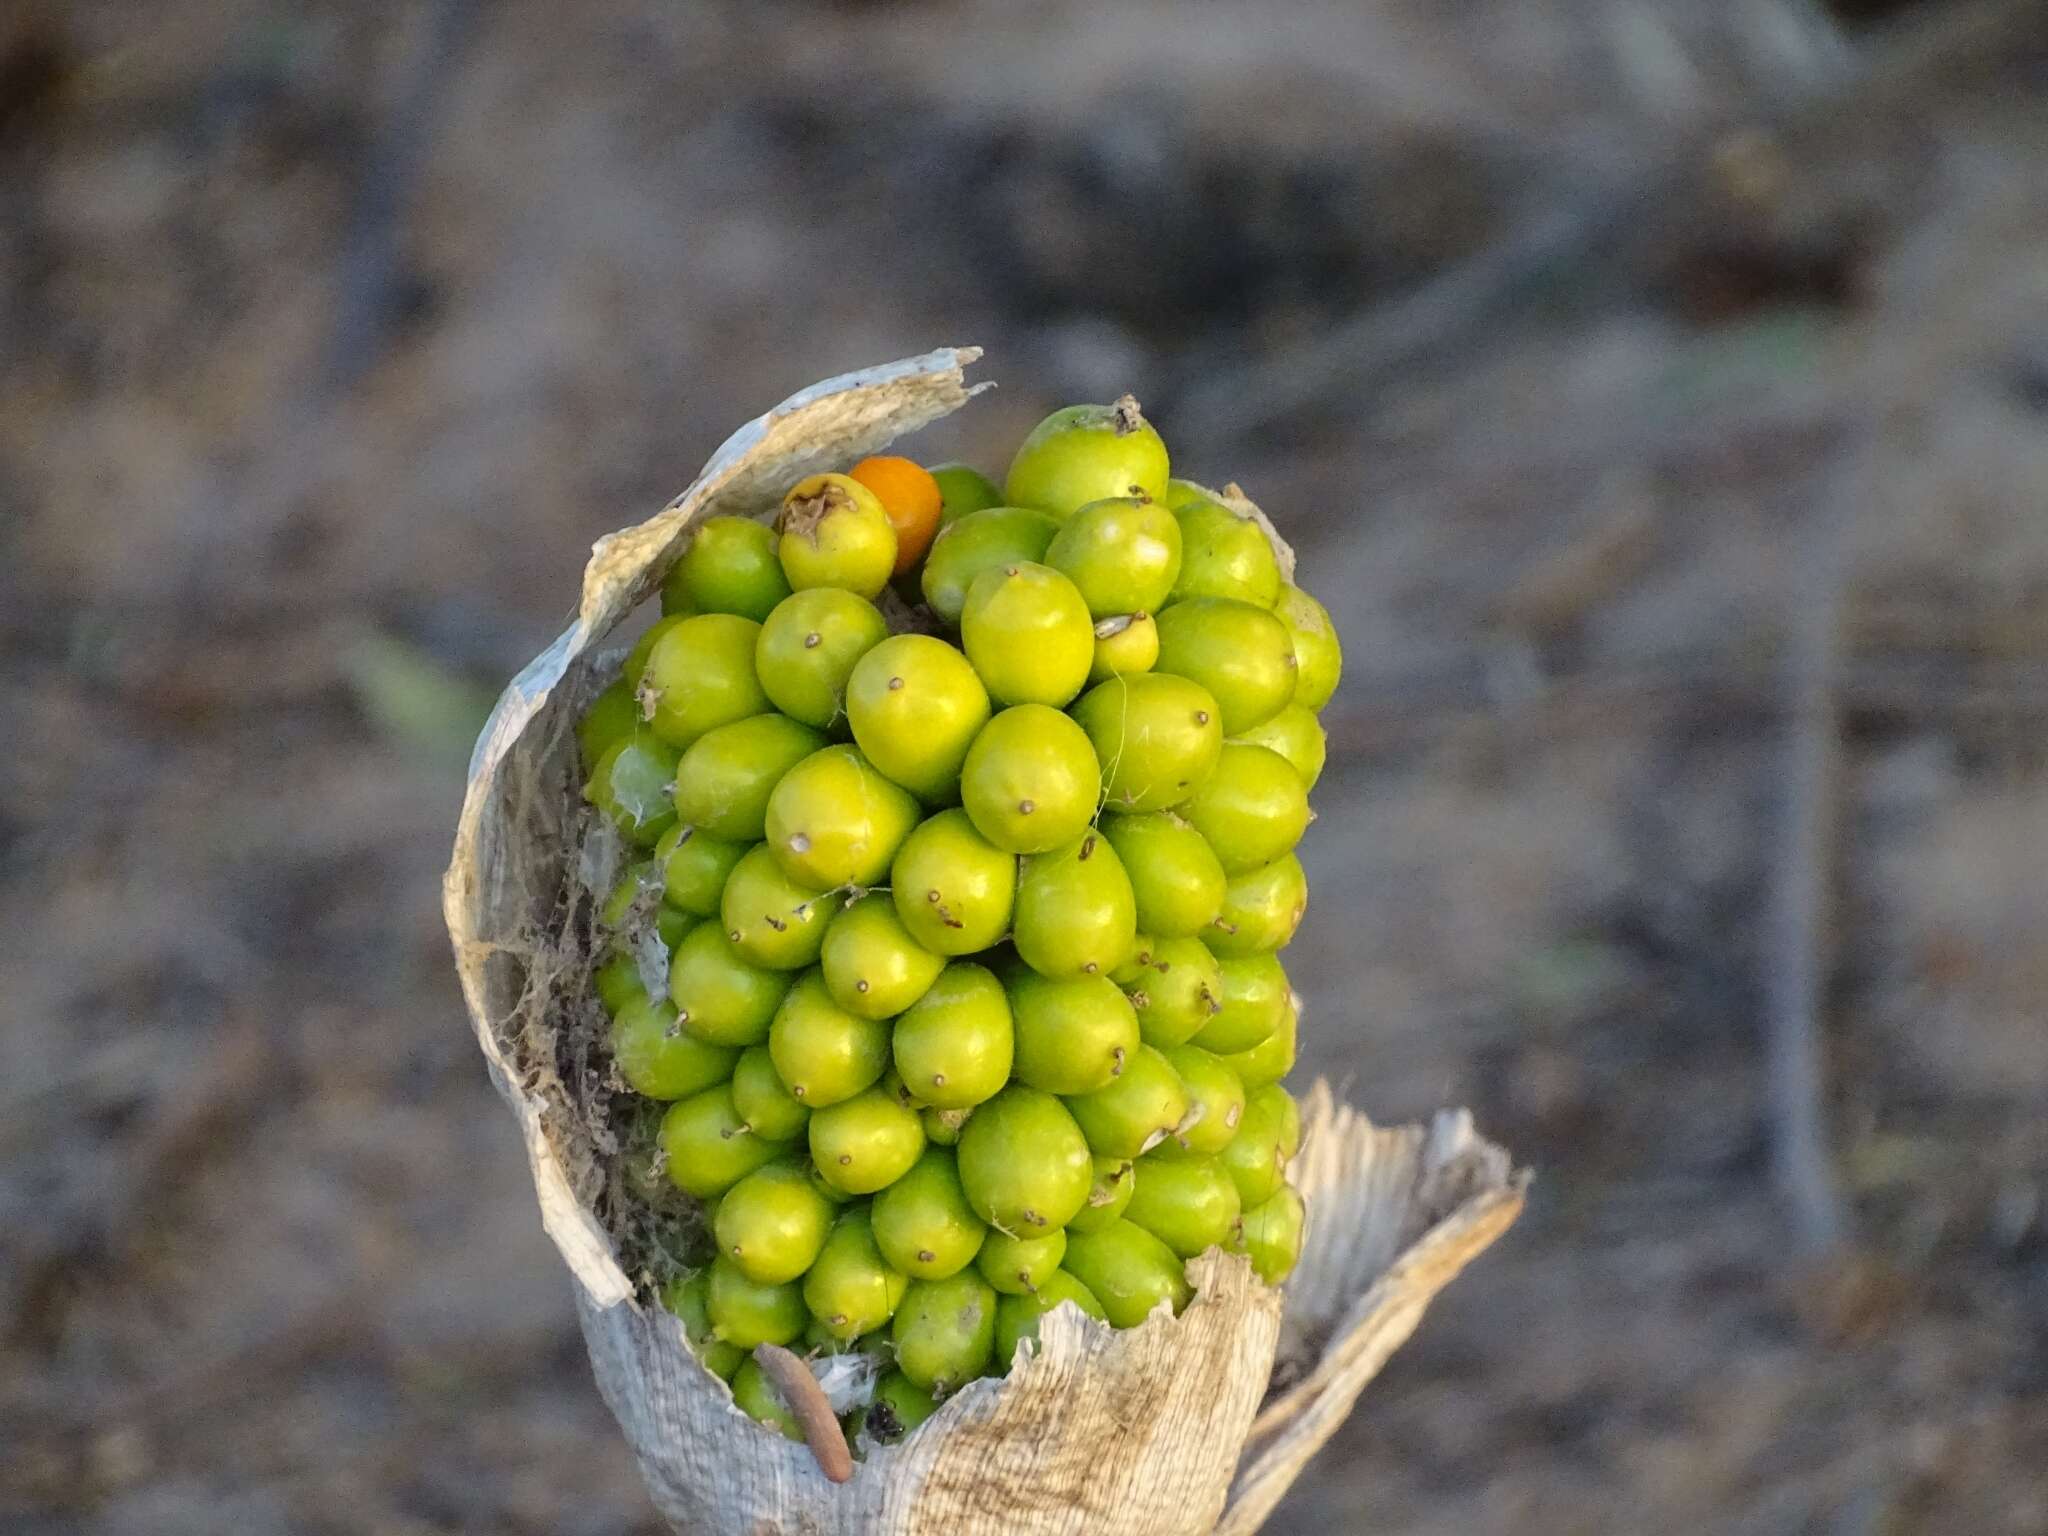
910 496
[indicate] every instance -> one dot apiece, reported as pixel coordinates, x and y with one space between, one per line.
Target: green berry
658 1059
1274 1105
724 779
1272 1058
1018 1316
634 670
1028 634
954 1046
1024 1162
900 1405
747 1314
867 1142
835 533
608 720
1031 780
1224 555
1122 555
1215 1103
1272 1235
1252 809
694 867
1241 654
755 1395
1156 736
763 1099
851 1290
1297 735
1017 1265
708 1145
963 489
699 675
1180 492
772 1225
1138 965
671 923
827 1190
630 787
1178 992
1176 881
1189 1204
1086 453
1108 1194
824 1053
942 1126
1261 908
874 1344
1136 1111
618 983
721 996
631 891
1124 647
873 967
770 919
945 1332
916 705
1254 1158
953 888
1073 1035
1319 658
1075 914
980 541
808 647
923 1223
1129 1271
729 567
835 820
1253 999
686 1296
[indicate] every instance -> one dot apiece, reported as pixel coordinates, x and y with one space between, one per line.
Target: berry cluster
972 1001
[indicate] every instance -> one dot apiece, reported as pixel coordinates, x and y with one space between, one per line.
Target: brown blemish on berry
803 511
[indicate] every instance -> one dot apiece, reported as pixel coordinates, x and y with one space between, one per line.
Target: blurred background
1658 393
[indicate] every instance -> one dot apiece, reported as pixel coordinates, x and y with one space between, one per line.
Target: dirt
330 338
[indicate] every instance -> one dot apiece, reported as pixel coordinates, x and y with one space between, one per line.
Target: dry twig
813 1410
1798 942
